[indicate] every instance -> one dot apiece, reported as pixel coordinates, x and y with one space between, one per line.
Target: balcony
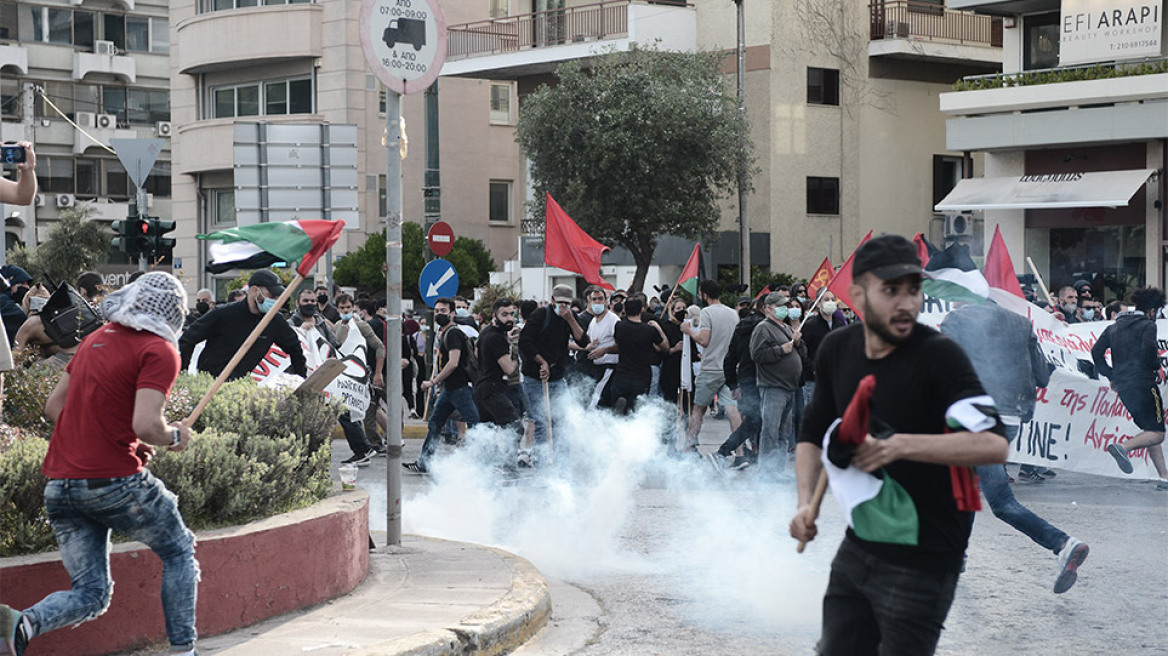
105 61
921 31
253 36
1132 108
127 5
531 44
14 56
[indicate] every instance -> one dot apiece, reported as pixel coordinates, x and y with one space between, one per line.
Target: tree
74 246
644 143
364 268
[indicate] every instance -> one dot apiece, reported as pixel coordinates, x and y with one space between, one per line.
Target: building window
1041 46
136 106
9 17
381 99
117 182
500 201
158 182
501 103
55 174
87 184
222 206
822 86
382 198
823 196
947 171
499 8
268 99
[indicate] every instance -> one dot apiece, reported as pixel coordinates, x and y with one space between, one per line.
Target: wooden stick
243 348
1041 285
816 502
547 408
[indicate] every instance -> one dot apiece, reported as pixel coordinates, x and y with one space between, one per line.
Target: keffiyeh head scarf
156 303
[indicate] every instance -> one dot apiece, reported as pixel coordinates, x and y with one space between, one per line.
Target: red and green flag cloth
261 245
692 271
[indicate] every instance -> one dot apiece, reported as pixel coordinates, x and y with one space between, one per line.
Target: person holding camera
22 190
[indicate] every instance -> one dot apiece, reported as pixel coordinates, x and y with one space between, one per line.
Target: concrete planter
250 573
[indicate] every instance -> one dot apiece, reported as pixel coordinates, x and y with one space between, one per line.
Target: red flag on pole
843 279
924 248
821 278
691 272
999 269
566 246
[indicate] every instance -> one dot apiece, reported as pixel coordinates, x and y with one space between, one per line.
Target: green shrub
259 452
24 526
26 389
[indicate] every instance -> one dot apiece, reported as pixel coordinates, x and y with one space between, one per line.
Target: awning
1053 190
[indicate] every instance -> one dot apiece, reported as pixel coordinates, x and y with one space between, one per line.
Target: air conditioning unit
39 201
105 48
86 119
65 201
958 225
107 121
162 128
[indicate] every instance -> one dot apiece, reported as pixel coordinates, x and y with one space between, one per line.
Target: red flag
820 279
999 269
688 280
566 246
924 249
843 279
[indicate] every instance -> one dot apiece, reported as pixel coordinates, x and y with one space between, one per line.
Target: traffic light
133 237
161 246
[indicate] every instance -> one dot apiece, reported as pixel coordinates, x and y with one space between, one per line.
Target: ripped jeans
82 513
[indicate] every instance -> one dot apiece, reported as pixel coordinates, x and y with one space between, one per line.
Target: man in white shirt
715 328
602 350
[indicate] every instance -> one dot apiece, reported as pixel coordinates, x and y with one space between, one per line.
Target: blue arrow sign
438 279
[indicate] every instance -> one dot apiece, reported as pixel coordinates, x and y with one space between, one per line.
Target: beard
879 325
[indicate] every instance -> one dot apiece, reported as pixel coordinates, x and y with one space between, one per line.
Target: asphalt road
650 555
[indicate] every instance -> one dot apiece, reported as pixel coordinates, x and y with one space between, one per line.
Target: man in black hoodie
1134 373
738 366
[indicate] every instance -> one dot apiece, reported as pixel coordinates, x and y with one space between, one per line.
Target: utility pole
743 182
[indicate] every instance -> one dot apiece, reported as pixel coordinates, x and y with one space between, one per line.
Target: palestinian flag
261 245
878 509
692 272
999 269
951 275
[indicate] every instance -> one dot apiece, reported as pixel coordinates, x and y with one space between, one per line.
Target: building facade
74 75
1073 136
841 98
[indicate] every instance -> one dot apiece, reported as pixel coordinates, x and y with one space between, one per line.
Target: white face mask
829 307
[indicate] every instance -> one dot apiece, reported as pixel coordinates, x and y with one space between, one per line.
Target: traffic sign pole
393 323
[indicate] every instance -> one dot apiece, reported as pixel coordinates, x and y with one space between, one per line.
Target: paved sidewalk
426 597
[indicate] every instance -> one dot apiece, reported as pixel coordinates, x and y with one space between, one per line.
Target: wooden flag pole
816 502
243 348
1042 285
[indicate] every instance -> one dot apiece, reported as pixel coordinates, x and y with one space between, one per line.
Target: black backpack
469 360
67 318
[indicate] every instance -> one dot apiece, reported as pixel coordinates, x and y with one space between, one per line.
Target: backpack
67 318
469 360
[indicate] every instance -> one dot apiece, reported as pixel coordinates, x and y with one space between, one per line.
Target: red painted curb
249 573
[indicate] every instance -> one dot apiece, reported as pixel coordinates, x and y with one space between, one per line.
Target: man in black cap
18 282
228 326
894 576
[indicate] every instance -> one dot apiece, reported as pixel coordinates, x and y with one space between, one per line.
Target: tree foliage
642 144
364 268
75 245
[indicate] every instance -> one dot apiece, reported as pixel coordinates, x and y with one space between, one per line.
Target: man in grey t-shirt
713 333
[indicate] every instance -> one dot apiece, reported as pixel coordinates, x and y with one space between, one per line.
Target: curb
497 629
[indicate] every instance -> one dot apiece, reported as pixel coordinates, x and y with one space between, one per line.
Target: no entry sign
440 238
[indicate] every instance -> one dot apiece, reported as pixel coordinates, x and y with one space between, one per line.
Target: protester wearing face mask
823 320
671 362
375 362
799 292
778 352
307 316
602 348
490 390
327 309
227 327
463 316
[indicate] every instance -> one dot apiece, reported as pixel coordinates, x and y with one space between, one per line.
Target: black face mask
679 315
743 312
307 310
18 293
322 298
202 307
442 319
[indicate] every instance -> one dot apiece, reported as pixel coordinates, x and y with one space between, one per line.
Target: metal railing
926 21
600 20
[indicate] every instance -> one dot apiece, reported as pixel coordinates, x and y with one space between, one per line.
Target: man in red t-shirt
108 411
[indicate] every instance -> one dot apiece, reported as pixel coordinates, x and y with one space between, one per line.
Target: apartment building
842 99
277 116
1073 134
74 75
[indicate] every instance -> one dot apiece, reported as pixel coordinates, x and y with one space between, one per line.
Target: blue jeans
995 485
778 407
449 400
537 412
138 507
750 409
874 607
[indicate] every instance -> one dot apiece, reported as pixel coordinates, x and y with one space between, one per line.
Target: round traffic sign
440 238
404 42
438 279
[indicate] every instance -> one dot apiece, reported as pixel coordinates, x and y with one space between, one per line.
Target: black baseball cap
268 279
887 257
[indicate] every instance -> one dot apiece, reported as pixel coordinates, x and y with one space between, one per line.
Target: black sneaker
622 406
1025 476
414 467
1047 473
1121 457
363 459
12 636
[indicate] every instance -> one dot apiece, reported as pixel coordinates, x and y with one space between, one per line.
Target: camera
12 154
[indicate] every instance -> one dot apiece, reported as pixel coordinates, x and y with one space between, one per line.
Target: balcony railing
602 20
905 19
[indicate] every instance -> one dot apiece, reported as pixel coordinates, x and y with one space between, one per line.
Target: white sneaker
1073 554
